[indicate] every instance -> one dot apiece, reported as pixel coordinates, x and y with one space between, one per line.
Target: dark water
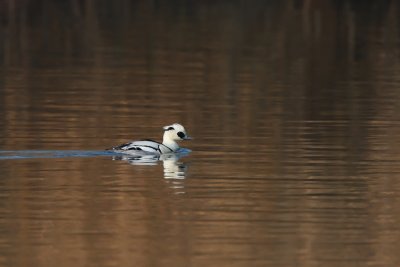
294 107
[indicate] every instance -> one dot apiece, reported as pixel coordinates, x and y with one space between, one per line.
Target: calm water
294 107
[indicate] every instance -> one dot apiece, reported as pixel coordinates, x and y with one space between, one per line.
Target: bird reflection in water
174 170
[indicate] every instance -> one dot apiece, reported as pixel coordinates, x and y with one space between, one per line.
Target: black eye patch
181 135
170 128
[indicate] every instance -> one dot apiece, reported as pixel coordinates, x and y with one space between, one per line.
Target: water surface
293 106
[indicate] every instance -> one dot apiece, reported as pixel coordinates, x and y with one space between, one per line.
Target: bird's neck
170 143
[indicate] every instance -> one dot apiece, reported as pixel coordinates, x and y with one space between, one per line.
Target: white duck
172 134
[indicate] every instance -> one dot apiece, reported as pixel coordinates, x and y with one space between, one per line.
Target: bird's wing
145 146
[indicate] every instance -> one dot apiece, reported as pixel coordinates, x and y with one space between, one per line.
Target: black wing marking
143 145
146 145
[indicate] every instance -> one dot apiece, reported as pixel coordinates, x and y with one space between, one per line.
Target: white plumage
172 134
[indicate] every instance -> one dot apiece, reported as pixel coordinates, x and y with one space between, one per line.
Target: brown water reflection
293 106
